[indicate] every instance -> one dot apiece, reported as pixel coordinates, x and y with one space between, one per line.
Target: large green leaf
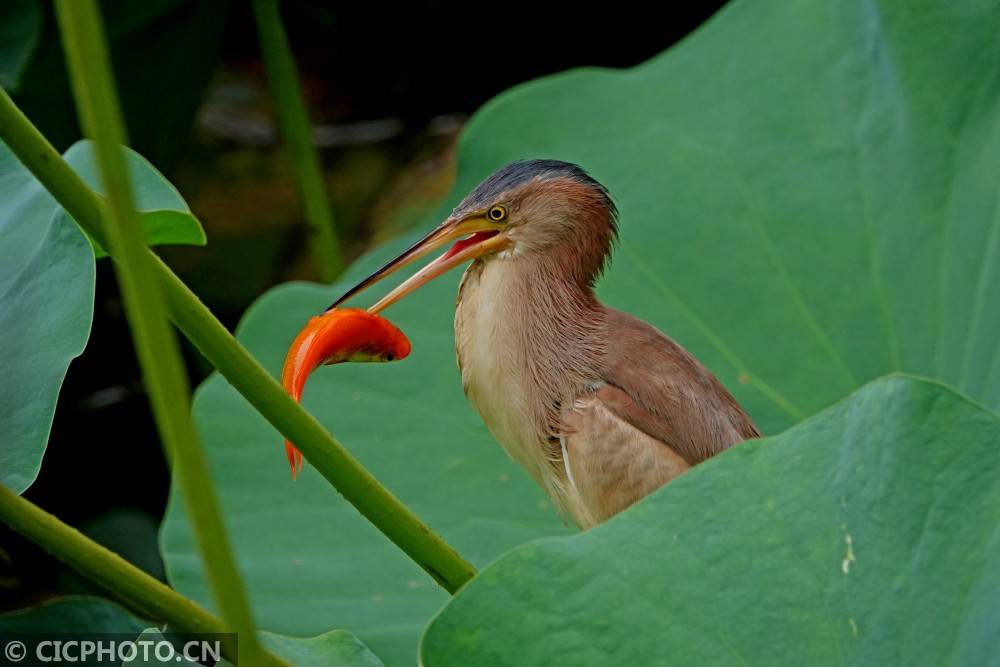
867 535
808 192
20 25
47 294
809 200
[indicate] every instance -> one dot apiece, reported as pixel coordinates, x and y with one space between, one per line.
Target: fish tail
294 458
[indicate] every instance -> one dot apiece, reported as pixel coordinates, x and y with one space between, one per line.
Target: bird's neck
542 330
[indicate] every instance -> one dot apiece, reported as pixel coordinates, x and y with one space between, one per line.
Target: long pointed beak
484 237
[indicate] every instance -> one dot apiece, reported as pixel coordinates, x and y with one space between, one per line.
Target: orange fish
336 336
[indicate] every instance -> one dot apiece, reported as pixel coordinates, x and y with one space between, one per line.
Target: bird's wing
609 463
655 385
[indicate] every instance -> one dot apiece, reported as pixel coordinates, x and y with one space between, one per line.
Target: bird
598 406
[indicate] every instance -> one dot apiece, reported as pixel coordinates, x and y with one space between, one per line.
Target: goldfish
337 336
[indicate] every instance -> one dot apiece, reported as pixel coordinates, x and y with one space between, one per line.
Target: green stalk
155 341
245 373
294 121
134 588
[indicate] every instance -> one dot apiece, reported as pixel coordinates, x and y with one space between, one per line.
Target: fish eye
390 357
497 213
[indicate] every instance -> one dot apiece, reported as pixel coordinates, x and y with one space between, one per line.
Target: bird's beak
478 236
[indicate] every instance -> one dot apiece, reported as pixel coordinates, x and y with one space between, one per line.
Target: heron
598 406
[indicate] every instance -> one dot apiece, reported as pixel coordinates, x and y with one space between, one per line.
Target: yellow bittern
599 407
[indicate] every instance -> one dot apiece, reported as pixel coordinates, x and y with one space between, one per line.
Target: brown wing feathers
657 386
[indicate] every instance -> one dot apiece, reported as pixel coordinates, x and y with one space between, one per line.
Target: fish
337 336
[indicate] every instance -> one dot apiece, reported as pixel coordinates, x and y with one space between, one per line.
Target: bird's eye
497 214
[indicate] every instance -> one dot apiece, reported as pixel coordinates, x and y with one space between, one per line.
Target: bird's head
543 209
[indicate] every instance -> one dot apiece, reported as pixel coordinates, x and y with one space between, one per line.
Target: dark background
388 89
